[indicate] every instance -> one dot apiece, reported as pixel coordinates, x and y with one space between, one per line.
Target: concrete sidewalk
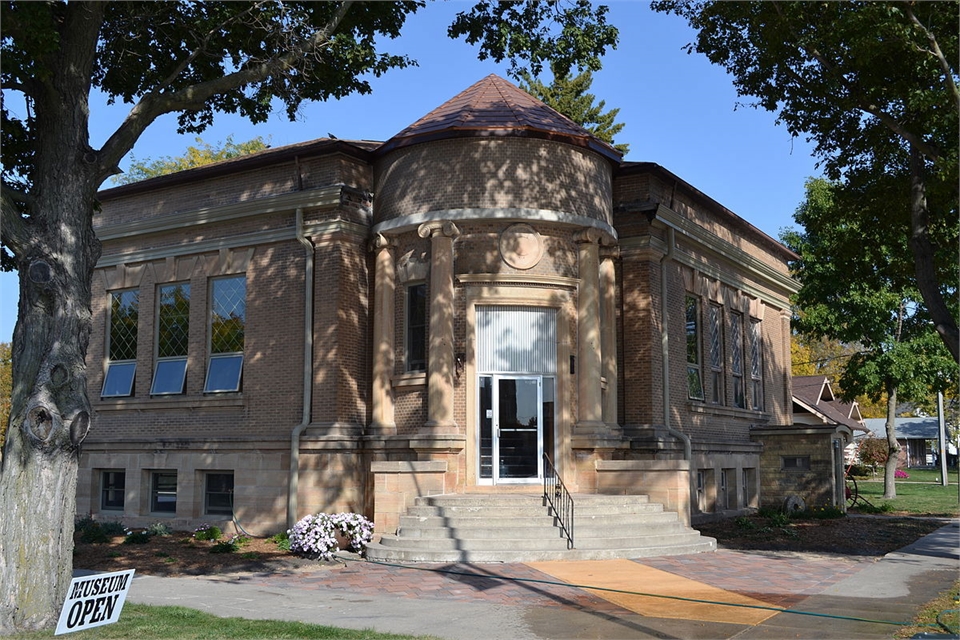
846 597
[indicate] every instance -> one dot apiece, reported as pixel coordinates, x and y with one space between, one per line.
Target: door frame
495 478
552 293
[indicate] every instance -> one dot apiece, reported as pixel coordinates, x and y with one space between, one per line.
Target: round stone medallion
521 246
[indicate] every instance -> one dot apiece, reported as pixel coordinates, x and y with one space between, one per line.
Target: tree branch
948 73
201 48
927 149
195 96
16 231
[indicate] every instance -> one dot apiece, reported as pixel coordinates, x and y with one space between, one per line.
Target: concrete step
554 542
593 526
378 552
518 510
521 527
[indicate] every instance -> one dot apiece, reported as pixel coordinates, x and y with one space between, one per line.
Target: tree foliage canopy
202 154
569 96
855 290
874 86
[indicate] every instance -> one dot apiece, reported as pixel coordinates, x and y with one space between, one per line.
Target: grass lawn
149 622
920 494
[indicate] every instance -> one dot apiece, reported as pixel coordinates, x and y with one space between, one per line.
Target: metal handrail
557 496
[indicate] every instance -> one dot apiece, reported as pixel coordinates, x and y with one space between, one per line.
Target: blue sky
679 111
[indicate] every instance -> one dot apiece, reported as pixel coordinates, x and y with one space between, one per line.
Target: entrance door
516 381
511 428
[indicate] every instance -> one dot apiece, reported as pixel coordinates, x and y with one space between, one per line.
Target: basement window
795 463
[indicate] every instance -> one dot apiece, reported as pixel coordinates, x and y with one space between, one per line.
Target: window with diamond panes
228 313
736 360
416 316
173 335
716 354
694 379
756 366
122 350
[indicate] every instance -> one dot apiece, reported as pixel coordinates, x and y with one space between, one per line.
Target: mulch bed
851 535
179 554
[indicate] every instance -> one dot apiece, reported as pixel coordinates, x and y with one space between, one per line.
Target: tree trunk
893 449
51 413
923 259
56 251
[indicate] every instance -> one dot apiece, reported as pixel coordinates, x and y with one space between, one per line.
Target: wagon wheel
853 493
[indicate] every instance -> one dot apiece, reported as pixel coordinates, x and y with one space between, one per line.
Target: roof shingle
495 107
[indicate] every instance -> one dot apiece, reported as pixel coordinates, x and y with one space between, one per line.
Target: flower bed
321 535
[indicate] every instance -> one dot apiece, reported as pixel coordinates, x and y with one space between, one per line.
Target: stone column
384 288
608 332
589 369
440 359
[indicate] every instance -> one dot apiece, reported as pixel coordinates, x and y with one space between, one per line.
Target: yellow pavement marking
625 575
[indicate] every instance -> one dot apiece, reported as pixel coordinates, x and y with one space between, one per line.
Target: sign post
94 600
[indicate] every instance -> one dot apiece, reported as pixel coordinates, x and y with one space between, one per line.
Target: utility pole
943 440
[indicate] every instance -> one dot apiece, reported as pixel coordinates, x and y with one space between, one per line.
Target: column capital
379 241
438 227
587 236
608 252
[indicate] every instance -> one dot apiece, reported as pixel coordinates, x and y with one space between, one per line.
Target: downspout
294 482
665 344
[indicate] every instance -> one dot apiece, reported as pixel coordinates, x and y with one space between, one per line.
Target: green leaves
570 97
530 33
856 288
202 154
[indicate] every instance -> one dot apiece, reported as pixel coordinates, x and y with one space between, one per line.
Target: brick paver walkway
777 579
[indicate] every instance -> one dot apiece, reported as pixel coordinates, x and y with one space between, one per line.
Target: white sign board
94 600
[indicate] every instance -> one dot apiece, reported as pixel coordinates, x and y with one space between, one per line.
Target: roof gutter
293 484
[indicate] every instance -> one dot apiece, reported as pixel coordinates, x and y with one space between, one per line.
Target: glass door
511 428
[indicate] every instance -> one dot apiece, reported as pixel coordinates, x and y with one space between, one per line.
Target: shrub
743 522
315 536
282 540
825 512
207 532
779 519
226 546
137 537
900 474
113 528
159 529
860 471
873 451
93 534
767 512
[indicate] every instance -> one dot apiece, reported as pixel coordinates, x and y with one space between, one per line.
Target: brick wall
485 172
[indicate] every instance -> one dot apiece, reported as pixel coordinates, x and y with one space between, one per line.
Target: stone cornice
322 231
329 196
725 250
506 214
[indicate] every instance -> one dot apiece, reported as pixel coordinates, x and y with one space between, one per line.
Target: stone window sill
169 402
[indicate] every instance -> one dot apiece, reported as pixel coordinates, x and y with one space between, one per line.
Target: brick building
345 326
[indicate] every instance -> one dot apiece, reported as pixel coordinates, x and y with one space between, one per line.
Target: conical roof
494 107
